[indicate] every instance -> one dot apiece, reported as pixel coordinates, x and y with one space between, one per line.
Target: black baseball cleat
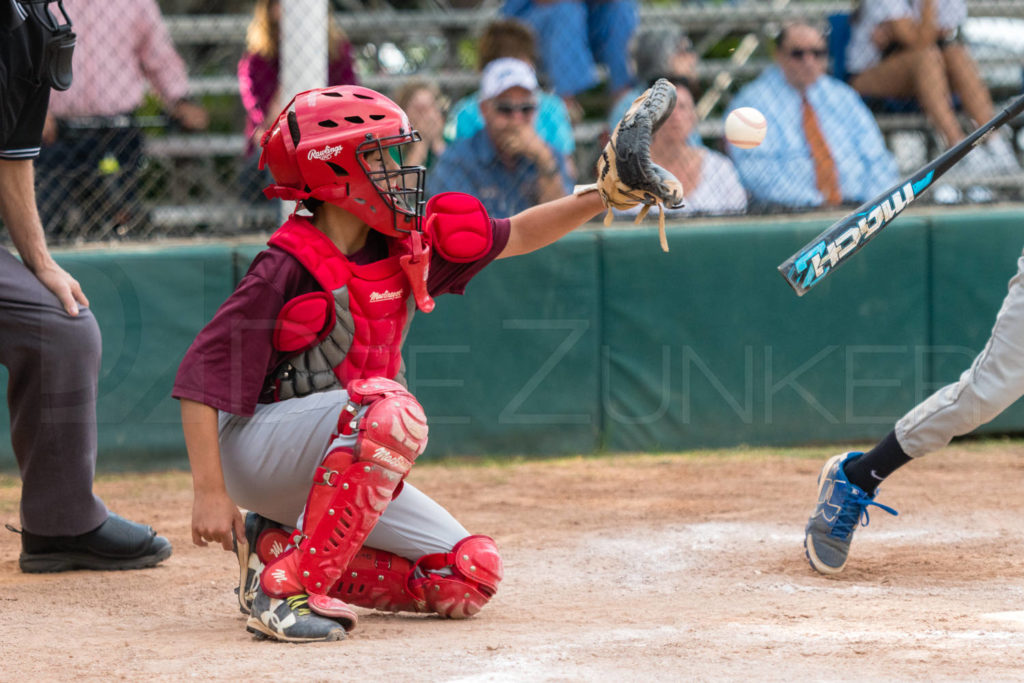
290 620
263 537
115 544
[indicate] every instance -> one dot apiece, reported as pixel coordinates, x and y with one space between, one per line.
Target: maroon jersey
228 364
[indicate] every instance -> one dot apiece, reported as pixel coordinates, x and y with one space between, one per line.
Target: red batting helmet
321 147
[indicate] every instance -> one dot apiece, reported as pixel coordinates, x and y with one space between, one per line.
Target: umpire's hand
65 287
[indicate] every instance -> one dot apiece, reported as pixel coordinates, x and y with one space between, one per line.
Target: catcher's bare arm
626 176
545 223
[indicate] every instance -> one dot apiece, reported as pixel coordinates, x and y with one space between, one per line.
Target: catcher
293 401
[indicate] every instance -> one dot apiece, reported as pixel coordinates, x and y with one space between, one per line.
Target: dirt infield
617 569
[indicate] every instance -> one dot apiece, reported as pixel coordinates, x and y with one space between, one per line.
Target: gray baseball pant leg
993 382
269 460
53 362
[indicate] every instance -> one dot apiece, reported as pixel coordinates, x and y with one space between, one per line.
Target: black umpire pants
53 362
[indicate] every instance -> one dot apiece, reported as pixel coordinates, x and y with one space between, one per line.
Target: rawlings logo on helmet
324 154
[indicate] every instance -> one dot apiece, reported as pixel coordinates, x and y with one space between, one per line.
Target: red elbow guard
458 226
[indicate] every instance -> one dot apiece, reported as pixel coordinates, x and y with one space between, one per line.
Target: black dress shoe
115 544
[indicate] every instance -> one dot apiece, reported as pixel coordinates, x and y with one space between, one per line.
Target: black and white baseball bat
844 238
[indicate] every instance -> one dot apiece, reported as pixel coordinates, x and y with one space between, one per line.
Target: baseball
745 127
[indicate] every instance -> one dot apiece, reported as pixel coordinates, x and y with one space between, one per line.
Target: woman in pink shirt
258 67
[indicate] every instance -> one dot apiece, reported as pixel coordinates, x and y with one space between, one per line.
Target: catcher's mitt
626 176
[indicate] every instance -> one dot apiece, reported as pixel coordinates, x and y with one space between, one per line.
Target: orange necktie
824 164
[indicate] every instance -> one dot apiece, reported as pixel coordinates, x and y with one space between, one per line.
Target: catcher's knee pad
351 488
458 584
393 430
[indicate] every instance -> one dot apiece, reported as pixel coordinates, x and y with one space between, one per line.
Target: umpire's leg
53 361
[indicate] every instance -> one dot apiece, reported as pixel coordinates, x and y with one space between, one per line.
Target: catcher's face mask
400 186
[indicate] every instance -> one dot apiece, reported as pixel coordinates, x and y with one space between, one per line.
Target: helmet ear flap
278 156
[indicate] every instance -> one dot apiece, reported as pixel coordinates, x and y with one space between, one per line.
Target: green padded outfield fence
603 342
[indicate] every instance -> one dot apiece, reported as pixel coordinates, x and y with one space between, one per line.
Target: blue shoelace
854 507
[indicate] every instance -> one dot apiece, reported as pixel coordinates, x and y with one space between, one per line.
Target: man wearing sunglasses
823 146
506 165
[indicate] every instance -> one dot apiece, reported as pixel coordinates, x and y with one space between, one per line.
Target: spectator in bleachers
506 165
576 35
823 146
258 68
709 178
512 38
665 51
421 100
92 145
913 48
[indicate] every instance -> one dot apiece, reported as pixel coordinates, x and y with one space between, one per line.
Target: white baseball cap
504 73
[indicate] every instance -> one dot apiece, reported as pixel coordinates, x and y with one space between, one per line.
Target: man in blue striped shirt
781 171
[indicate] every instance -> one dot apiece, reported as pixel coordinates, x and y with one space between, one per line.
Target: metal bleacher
430 40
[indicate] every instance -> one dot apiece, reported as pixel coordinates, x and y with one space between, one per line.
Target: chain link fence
160 139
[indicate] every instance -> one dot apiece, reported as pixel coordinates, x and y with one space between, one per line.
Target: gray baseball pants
269 460
53 365
993 382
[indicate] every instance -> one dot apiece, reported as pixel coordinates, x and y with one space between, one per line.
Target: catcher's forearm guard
626 176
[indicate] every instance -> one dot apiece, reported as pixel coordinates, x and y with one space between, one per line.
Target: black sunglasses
509 108
800 53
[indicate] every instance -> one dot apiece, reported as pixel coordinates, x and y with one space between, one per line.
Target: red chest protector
353 328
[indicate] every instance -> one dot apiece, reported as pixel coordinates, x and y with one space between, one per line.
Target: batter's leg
848 483
994 381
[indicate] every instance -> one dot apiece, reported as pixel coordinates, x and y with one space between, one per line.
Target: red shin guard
455 585
379 580
351 489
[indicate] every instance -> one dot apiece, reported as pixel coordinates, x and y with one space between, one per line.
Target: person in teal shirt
512 38
505 165
552 124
